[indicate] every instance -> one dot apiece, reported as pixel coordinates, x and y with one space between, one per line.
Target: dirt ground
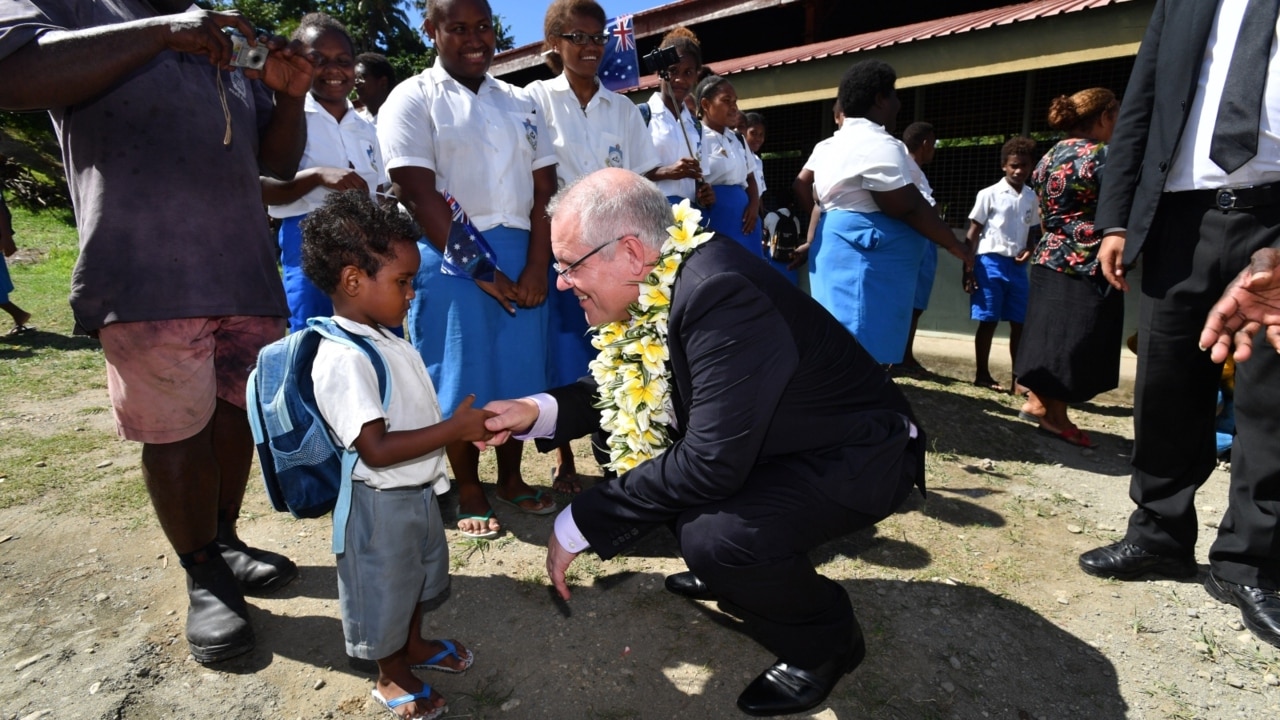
971 600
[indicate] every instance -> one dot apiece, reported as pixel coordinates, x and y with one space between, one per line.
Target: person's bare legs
396 678
982 356
511 484
564 478
20 316
1015 337
464 458
909 358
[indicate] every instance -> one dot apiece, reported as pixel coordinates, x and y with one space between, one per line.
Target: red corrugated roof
941 27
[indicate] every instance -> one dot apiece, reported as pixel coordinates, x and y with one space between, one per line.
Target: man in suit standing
1193 182
786 434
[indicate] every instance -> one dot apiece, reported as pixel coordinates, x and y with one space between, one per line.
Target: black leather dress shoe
785 689
1126 561
688 585
1259 609
259 571
217 617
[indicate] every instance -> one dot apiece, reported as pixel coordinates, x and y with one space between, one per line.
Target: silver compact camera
243 54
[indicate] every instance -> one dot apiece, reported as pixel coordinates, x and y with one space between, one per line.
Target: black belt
1242 198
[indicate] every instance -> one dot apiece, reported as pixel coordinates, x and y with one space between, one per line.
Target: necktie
1235 132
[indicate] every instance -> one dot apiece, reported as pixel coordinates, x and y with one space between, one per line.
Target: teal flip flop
482 535
535 497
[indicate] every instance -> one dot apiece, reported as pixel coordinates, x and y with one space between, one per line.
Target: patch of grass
49 363
36 465
487 695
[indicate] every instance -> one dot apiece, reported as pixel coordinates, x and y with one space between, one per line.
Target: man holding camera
163 139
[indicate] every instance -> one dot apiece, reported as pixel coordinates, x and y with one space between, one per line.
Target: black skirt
1070 348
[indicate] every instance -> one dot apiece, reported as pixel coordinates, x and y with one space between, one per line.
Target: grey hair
615 203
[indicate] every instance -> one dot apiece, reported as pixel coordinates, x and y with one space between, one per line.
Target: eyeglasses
565 272
581 38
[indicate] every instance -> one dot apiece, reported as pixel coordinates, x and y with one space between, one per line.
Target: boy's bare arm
379 447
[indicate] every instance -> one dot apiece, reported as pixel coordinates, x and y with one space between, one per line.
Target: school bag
305 473
781 235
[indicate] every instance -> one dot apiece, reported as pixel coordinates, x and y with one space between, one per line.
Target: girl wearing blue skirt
728 166
455 128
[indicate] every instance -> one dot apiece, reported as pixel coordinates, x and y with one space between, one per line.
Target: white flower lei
631 369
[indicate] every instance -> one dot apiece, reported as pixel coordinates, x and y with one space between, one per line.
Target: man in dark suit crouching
785 434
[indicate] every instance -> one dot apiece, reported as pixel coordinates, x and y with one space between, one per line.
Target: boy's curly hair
1020 145
350 229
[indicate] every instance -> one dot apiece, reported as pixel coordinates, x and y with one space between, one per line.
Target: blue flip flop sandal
394 703
433 663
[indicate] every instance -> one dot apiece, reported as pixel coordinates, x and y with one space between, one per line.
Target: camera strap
226 112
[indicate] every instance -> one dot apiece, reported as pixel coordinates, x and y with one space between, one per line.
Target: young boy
396 560
920 138
1000 227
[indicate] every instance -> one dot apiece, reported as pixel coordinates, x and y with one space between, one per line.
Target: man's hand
288 70
1111 258
510 417
199 32
1249 303
558 561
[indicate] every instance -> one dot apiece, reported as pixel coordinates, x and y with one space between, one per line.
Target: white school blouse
725 160
482 146
668 138
608 132
348 143
859 158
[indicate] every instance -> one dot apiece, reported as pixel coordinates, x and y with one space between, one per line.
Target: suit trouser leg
1247 549
752 551
1191 257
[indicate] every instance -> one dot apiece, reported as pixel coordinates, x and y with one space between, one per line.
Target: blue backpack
304 472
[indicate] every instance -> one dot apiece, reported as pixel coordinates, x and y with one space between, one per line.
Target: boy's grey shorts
396 557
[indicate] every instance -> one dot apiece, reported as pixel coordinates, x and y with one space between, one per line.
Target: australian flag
466 254
620 66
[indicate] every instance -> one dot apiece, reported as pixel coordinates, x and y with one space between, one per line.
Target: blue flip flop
433 663
394 703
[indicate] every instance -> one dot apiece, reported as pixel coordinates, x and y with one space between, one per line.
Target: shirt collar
311 105
437 75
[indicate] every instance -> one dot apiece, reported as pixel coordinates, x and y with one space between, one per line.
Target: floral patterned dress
1067 181
1070 348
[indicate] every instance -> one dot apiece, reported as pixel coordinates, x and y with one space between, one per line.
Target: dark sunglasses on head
581 38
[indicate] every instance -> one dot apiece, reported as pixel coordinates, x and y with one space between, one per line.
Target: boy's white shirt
347 395
1006 216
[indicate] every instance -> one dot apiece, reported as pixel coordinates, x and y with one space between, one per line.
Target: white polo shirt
668 138
859 158
916 173
483 147
758 164
725 160
348 143
347 395
1006 216
608 132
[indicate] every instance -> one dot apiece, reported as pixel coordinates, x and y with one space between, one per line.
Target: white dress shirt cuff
567 533
548 413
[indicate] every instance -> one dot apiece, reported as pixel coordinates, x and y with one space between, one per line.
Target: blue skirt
6 283
862 269
305 299
924 279
569 340
467 340
725 217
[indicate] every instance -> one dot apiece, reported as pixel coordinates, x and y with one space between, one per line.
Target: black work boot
259 571
217 617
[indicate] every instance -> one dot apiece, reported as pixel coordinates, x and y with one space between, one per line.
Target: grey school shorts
396 557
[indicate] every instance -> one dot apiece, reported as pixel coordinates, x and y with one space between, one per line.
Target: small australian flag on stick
620 66
466 254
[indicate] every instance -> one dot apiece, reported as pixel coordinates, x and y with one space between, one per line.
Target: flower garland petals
631 370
